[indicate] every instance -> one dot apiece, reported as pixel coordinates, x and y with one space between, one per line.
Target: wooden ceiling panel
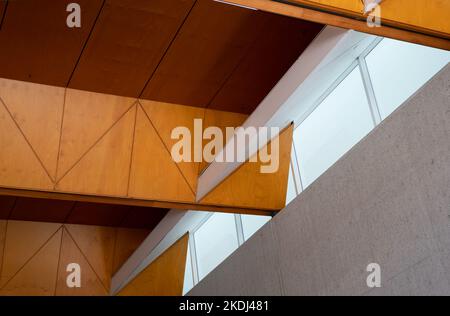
205 53
36 44
276 48
127 43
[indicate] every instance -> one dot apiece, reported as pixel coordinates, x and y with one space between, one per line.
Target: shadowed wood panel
154 175
210 45
98 214
2 11
87 117
37 109
268 190
127 43
23 240
104 169
38 276
36 44
91 284
6 206
97 245
164 276
142 217
42 210
165 117
19 166
275 49
127 241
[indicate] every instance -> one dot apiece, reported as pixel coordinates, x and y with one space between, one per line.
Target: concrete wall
387 201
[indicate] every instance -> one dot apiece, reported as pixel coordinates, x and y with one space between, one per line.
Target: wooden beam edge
314 15
132 201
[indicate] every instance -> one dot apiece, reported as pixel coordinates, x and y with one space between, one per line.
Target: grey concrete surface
386 201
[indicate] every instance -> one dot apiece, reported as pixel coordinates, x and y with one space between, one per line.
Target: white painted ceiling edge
281 106
327 57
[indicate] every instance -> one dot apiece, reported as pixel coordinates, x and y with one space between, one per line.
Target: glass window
398 69
188 277
252 223
334 127
215 240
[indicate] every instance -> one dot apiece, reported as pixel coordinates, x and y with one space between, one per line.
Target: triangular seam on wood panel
60 138
27 141
31 258
95 143
167 149
132 148
59 258
4 246
85 257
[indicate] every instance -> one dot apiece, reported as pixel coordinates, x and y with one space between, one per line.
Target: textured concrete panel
386 201
255 263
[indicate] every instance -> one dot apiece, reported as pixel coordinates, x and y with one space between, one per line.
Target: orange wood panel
399 31
221 119
97 244
38 276
164 276
127 43
91 284
19 166
37 110
210 45
127 241
36 44
165 117
278 45
424 16
154 175
87 117
268 190
23 240
104 169
41 210
3 225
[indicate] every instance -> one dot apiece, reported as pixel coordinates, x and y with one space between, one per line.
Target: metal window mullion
239 229
296 170
370 93
194 262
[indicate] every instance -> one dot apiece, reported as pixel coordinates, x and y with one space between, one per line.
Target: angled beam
409 29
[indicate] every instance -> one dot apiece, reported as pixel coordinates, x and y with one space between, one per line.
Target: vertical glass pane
291 192
252 223
215 240
334 127
398 69
188 277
